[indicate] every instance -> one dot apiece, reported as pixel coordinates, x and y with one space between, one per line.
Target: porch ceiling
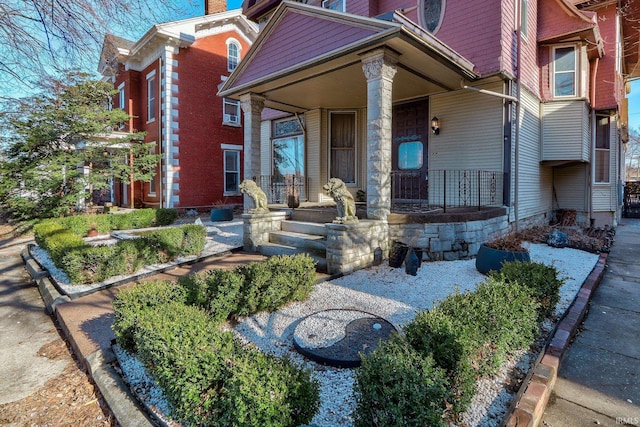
335 79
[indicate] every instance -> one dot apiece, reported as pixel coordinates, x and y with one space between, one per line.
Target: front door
409 157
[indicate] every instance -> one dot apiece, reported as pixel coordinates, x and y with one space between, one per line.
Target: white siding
534 181
312 120
571 184
471 133
265 147
565 129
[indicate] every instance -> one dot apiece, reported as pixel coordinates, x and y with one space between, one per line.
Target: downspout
517 129
592 141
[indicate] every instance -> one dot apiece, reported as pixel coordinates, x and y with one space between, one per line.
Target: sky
634 105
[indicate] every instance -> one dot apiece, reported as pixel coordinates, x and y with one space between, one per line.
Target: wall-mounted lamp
435 125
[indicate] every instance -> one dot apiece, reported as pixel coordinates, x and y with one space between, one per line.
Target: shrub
165 216
91 264
263 390
271 283
140 218
129 303
164 245
57 240
195 237
470 334
187 355
541 279
217 291
397 386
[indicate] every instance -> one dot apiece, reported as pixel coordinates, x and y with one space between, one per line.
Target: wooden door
411 126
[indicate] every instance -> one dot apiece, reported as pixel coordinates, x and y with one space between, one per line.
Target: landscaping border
528 407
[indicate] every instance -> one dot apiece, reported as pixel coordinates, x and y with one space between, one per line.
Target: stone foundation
257 228
449 241
351 247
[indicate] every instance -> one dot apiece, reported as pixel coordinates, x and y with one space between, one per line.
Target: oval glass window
432 14
410 155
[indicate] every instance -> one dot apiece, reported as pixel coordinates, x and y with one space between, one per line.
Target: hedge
87 264
209 378
466 336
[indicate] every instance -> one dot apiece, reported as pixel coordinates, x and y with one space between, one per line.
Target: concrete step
271 249
304 227
314 215
306 242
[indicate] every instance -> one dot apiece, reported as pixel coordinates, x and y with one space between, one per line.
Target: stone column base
257 228
352 247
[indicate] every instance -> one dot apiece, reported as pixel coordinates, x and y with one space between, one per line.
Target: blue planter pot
221 214
491 259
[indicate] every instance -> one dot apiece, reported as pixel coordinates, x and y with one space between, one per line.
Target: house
167 82
516 108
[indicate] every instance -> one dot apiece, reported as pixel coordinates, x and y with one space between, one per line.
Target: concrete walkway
25 327
599 377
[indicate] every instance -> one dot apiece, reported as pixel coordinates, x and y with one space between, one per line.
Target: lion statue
250 188
344 201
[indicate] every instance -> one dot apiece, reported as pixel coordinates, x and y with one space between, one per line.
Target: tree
56 148
632 156
44 38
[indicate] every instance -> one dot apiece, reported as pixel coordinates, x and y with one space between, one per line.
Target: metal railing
446 189
278 188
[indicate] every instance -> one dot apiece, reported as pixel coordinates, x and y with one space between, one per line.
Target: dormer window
432 13
564 71
338 5
233 54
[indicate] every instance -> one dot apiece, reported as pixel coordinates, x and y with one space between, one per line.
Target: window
334 5
121 100
564 71
432 12
288 150
603 155
231 172
233 54
151 96
152 183
410 155
343 147
524 13
231 111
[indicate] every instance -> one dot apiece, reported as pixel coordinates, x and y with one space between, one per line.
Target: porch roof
308 57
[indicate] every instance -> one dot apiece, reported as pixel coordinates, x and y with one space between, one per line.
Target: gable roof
302 42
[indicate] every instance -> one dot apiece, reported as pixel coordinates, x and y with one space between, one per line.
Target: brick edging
531 401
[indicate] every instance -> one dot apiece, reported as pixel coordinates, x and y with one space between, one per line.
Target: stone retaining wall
257 228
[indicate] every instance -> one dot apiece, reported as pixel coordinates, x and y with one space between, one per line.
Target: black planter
397 254
491 259
293 201
411 263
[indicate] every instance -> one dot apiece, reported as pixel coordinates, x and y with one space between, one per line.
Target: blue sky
634 105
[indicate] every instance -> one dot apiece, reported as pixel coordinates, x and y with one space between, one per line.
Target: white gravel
397 297
221 237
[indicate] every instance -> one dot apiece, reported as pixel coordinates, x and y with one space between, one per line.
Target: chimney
214 6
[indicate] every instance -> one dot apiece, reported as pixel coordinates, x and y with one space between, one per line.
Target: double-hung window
231 170
231 111
603 149
151 96
564 71
233 54
121 100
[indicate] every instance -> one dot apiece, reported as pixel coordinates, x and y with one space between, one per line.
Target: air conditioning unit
231 118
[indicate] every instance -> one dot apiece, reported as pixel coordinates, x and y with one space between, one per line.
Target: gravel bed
397 297
221 237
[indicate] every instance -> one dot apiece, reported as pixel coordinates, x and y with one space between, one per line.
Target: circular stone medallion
336 337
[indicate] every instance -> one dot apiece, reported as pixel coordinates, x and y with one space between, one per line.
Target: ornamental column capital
252 103
380 63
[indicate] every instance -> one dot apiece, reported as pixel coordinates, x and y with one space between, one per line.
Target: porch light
435 125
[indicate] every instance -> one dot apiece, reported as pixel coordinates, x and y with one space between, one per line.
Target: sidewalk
598 381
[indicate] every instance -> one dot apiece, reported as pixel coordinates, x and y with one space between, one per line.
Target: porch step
314 228
307 242
271 249
320 216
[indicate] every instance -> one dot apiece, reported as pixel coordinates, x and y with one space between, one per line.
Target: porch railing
278 188
446 189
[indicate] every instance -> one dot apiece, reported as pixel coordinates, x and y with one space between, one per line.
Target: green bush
91 264
276 281
470 334
165 216
139 218
263 390
217 291
397 386
57 240
210 379
131 302
541 279
163 245
195 237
